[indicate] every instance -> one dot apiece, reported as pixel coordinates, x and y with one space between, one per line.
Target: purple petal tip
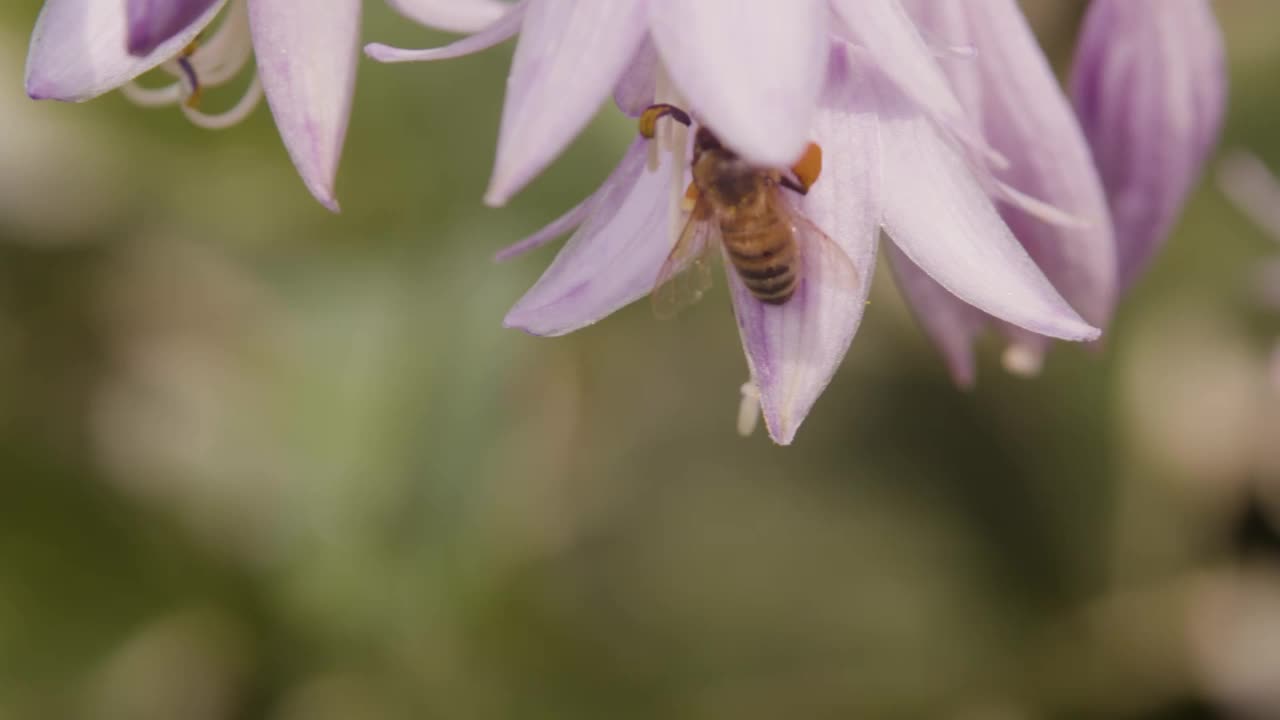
36 93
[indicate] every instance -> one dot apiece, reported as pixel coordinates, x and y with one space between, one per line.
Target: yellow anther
649 118
809 166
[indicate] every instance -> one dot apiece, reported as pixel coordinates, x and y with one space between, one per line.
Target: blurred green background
260 461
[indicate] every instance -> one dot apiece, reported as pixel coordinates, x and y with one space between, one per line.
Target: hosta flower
1008 88
900 154
1149 84
1245 180
306 64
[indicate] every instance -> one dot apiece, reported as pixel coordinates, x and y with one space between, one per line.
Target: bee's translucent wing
686 275
838 268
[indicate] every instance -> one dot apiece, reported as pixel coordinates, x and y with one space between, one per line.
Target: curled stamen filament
207 64
227 51
235 115
170 94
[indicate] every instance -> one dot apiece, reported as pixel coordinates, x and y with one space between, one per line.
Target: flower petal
614 257
885 33
79 49
950 323
1149 84
570 55
636 88
151 22
459 16
306 54
751 74
554 229
499 31
793 349
1009 86
939 216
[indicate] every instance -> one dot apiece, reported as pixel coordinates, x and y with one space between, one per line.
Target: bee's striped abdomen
763 251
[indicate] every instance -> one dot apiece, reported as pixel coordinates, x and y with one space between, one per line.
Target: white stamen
235 115
672 137
977 148
962 52
1039 209
214 62
170 94
1022 361
661 90
945 50
749 409
227 51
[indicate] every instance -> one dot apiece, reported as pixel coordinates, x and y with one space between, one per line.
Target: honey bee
742 209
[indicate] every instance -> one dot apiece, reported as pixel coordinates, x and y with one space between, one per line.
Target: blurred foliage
262 461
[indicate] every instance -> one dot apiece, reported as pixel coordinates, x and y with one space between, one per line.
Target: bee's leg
790 184
806 170
649 118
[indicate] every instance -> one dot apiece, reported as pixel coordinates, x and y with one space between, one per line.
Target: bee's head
720 171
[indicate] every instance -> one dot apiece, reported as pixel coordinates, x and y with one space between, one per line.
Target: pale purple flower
1007 87
1247 182
306 55
1149 84
901 154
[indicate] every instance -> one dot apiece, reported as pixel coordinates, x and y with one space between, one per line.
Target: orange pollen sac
690 198
809 166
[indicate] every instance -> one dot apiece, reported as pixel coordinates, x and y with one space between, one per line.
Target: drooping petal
939 216
1009 87
306 54
793 349
752 71
459 16
499 31
636 87
885 33
614 257
151 22
569 57
552 230
1149 84
950 323
79 48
